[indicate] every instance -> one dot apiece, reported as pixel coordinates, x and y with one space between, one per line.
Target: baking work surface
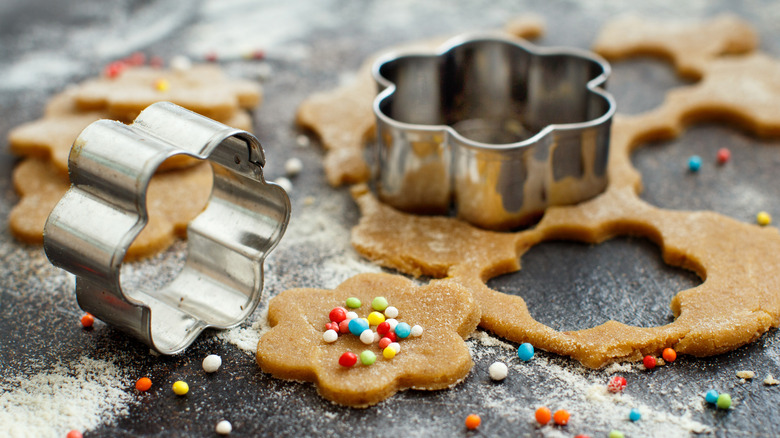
56 376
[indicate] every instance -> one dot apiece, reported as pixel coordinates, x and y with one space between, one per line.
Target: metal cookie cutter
493 126
92 226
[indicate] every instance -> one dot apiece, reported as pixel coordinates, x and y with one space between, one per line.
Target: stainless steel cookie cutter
492 126
92 226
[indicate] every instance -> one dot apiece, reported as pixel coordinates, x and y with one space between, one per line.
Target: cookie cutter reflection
92 226
492 127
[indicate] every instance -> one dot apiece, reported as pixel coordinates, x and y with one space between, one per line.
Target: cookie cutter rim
90 229
388 88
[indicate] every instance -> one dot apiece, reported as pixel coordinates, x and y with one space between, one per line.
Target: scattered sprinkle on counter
348 359
87 320
617 384
293 166
74 434
224 428
724 401
525 352
353 303
180 387
723 156
669 355
143 384
694 163
763 218
498 371
211 363
634 415
379 304
615 434
561 417
711 396
473 421
543 415
649 362
582 436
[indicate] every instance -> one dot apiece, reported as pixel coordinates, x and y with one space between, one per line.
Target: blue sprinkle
525 351
694 163
357 326
634 415
402 330
711 396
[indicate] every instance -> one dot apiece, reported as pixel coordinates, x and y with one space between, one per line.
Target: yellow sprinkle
375 318
388 353
763 218
162 85
180 388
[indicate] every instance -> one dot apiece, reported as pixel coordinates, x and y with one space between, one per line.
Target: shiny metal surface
492 126
92 226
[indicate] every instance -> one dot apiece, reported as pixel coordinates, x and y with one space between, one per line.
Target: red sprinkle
87 320
724 155
383 328
384 342
156 62
338 314
114 69
391 335
258 54
344 326
136 59
617 384
649 362
332 326
74 434
582 436
348 359
669 355
210 57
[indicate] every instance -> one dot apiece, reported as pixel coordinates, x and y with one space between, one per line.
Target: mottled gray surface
567 285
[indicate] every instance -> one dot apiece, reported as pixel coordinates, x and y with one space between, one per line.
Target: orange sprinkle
561 417
87 320
669 355
543 415
143 384
473 421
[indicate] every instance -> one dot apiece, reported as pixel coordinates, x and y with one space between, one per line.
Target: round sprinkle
224 428
543 415
74 434
724 155
377 337
162 85
353 303
724 401
498 371
143 384
367 357
763 218
395 346
210 57
338 314
417 331
473 421
649 362
348 359
391 335
582 435
330 336
211 363
561 417
332 326
383 328
402 330
379 304
669 355
393 323
351 315
293 166
87 320
388 352
617 384
694 163
367 337
711 396
385 342
375 318
634 415
181 63
391 312
344 326
180 387
357 326
615 434
285 183
525 352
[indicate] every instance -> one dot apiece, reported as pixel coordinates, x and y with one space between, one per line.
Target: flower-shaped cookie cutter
89 231
493 126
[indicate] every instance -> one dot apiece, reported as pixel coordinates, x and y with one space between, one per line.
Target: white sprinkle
224 427
391 312
395 346
285 183
392 323
377 337
351 316
211 363
303 141
330 336
367 336
417 331
293 166
498 371
181 63
264 71
746 374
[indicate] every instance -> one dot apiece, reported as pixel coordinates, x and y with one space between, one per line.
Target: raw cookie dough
294 348
738 262
343 118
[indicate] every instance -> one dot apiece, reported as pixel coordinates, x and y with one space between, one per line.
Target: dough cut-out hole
571 285
640 85
746 184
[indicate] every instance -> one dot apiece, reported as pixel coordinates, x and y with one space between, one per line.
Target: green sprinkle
353 303
724 401
367 357
615 434
379 304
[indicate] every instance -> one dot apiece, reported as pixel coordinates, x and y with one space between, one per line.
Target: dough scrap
343 118
294 349
739 298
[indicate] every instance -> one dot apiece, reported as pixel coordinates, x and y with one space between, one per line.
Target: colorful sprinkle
379 304
543 415
330 336
402 330
181 63
367 357
348 359
617 384
763 218
724 401
87 320
694 163
74 434
156 62
210 57
634 415
473 421
649 362
357 326
561 417
525 352
395 346
375 318
711 396
224 428
417 331
333 326
391 312
669 355
498 371
114 69
162 85
143 384
344 326
615 434
388 352
581 436
180 387
211 363
367 337
392 322
258 54
385 342
136 59
391 334
351 315
724 155
353 303
338 314
383 328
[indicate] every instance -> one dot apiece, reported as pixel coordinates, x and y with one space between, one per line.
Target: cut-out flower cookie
297 348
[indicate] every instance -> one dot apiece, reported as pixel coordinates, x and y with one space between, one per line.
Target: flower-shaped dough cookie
294 348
